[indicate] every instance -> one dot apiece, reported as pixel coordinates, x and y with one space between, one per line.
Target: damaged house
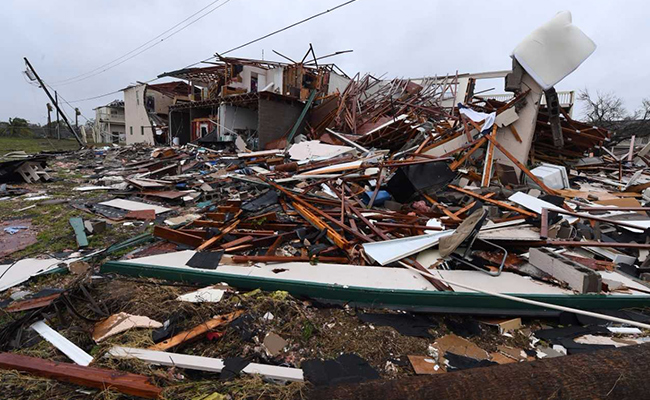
109 123
261 101
146 108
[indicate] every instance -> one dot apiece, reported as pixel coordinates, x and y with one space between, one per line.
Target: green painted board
78 226
415 300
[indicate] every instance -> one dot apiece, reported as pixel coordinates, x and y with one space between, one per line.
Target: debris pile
410 228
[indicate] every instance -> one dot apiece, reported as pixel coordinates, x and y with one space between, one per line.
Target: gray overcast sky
405 38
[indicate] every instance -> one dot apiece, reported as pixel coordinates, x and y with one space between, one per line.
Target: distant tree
643 113
17 127
603 109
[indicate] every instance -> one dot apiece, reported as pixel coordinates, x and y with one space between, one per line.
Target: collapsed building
257 100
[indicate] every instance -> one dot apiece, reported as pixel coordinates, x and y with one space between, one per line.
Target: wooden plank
454 166
237 242
31 304
145 215
123 382
496 202
441 207
274 246
318 211
228 209
489 158
78 226
216 216
177 236
521 166
332 235
543 232
577 276
515 133
210 242
470 205
197 331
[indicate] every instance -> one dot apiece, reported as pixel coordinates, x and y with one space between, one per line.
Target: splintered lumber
124 382
519 165
237 242
210 242
489 156
496 202
454 166
318 211
177 236
619 373
332 235
441 207
197 331
578 277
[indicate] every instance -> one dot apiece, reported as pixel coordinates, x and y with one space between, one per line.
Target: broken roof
172 89
201 76
112 104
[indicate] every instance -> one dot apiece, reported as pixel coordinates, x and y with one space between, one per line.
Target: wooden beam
197 331
489 157
340 241
543 232
470 205
210 242
237 242
123 382
274 246
495 202
177 236
515 133
317 211
521 166
454 166
441 207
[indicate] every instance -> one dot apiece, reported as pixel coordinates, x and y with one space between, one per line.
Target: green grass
36 145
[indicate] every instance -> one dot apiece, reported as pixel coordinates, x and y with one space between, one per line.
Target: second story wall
138 126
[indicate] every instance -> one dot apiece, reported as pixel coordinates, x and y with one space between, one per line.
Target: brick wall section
275 119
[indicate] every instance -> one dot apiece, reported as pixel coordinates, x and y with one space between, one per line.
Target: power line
137 48
72 80
238 47
275 32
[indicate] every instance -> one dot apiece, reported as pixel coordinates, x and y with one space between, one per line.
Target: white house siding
138 126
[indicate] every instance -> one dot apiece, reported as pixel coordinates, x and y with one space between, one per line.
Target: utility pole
49 120
56 104
76 118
